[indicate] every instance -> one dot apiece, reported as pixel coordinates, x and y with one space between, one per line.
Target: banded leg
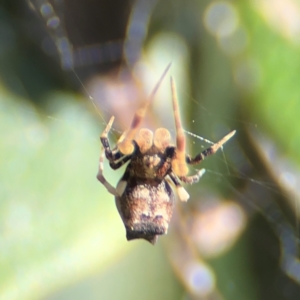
119 163
102 179
181 192
115 157
111 155
209 151
192 178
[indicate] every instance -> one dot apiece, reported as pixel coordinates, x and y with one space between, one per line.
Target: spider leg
119 163
111 155
125 144
179 161
209 151
116 159
102 179
192 178
181 192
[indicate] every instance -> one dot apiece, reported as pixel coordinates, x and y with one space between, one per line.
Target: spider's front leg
110 155
116 159
102 179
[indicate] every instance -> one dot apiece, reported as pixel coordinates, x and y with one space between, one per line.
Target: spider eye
162 138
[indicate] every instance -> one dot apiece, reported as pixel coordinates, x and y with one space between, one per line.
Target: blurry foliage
275 104
61 236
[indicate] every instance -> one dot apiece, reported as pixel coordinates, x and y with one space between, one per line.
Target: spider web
234 167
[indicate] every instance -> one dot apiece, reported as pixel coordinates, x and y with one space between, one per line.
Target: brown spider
143 195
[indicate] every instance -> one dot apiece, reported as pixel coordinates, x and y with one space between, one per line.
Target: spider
143 196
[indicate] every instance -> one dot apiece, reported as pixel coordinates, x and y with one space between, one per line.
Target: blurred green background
236 64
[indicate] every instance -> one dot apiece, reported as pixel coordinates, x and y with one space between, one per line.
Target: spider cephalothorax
144 196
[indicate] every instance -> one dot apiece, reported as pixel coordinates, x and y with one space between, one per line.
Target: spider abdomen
146 209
